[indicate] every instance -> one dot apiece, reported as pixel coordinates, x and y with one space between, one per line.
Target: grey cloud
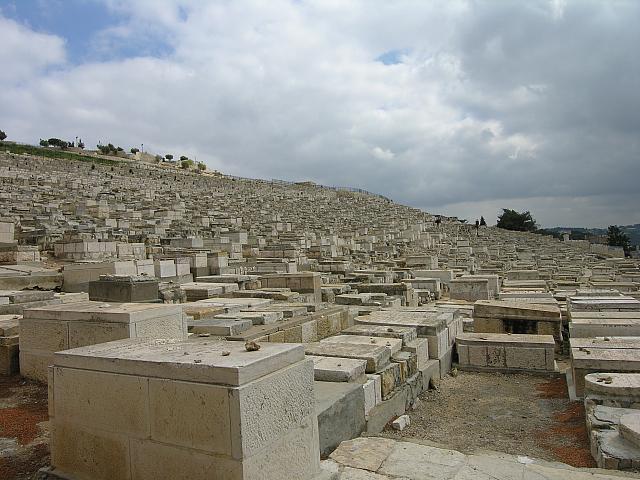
493 104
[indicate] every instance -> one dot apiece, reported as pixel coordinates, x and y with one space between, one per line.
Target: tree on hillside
617 238
483 222
512 220
43 143
168 156
109 149
202 166
56 142
80 144
186 163
2 135
134 150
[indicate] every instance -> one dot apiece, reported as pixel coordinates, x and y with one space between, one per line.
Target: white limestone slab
193 359
102 312
393 344
407 334
376 356
336 369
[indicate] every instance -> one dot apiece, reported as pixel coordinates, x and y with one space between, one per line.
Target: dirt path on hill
515 413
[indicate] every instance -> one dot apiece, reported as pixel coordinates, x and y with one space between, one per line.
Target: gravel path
514 413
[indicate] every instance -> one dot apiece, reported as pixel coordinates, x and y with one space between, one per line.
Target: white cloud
382 154
492 100
557 8
25 53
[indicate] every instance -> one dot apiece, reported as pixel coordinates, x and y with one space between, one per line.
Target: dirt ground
516 414
24 442
512 413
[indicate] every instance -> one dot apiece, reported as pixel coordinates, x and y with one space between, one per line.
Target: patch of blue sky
79 23
392 57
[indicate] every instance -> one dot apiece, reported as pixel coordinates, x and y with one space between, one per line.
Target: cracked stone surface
375 458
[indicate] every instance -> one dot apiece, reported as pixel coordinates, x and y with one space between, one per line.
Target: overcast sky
456 107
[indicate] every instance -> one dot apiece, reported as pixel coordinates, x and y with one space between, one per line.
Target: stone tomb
506 352
196 409
124 288
431 325
14 302
77 276
500 316
46 330
470 288
306 283
203 290
434 325
617 303
603 354
601 324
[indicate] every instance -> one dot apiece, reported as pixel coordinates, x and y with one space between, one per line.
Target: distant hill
633 231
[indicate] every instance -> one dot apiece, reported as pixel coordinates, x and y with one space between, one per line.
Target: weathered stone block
526 358
88 453
496 356
170 408
121 401
478 355
190 415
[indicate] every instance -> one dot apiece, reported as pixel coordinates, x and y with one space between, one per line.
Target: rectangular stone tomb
247 302
201 311
429 324
257 317
197 409
601 324
426 323
14 302
603 354
618 303
500 316
25 296
540 285
470 289
50 329
393 344
336 369
506 352
376 356
200 291
223 327
406 334
124 288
